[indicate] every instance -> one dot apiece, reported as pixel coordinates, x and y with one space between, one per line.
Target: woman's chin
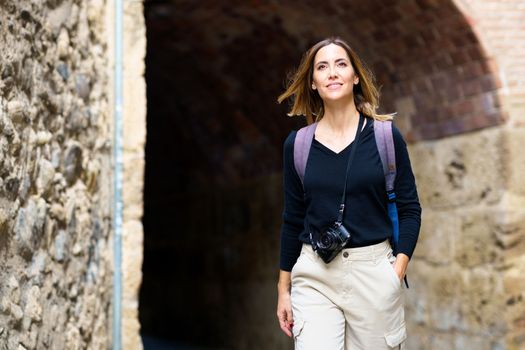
332 98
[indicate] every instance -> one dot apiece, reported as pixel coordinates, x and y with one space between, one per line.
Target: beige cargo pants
354 302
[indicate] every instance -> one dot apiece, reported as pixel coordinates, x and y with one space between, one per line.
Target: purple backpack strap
385 146
301 149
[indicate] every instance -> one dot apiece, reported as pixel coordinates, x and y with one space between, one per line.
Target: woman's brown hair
307 101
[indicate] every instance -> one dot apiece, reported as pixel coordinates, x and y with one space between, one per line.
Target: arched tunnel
213 188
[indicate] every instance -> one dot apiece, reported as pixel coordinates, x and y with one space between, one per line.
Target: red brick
472 87
444 61
408 9
463 107
471 70
439 81
489 83
476 52
459 57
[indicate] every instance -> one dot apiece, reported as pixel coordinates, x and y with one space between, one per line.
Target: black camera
331 241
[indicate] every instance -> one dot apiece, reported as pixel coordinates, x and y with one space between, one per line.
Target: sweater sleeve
294 208
409 209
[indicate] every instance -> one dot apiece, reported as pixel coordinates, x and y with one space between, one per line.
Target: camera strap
350 159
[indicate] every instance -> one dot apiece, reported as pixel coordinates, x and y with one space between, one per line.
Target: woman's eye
342 64
320 66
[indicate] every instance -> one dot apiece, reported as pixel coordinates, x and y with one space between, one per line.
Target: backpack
385 146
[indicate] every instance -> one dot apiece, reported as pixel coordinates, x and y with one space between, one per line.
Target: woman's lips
334 86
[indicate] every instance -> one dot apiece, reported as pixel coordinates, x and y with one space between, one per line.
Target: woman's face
333 74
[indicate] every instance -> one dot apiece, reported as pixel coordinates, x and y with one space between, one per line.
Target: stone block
73 337
439 340
29 225
515 339
46 174
470 341
60 246
132 259
63 44
135 38
73 162
510 228
36 269
134 115
477 241
460 170
33 309
16 312
482 298
133 190
515 160
131 328
439 230
432 298
16 110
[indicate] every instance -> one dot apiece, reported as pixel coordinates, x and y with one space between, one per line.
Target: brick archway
214 72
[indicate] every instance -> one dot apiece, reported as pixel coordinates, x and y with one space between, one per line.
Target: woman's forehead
330 52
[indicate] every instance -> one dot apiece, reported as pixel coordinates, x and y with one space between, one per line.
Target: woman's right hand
284 303
284 313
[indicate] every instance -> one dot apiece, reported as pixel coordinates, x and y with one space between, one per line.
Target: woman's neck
338 119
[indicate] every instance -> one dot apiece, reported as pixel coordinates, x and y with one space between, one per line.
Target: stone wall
457 293
469 290
55 176
134 132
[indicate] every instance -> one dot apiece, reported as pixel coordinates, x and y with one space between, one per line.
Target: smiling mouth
334 86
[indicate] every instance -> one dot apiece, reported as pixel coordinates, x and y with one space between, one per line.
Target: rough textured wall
134 132
469 267
55 176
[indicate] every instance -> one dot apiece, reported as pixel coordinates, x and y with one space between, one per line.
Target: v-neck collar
367 122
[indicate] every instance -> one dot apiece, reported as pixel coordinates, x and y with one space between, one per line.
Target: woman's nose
333 73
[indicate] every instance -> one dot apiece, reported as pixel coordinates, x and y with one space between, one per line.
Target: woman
355 300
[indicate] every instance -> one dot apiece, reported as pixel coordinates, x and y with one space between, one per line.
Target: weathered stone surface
134 89
63 44
33 309
73 162
16 312
82 86
477 242
73 337
515 169
29 225
50 218
439 230
63 70
13 292
15 110
45 177
459 171
37 267
481 300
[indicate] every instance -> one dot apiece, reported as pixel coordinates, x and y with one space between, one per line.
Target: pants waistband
369 252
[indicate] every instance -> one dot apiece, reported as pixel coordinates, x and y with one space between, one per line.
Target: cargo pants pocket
297 328
396 337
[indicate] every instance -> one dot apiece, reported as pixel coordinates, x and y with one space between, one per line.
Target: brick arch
434 69
214 71
227 65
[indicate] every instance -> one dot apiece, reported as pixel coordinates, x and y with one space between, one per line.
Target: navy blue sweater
365 215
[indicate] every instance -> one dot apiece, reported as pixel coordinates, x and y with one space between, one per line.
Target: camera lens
326 241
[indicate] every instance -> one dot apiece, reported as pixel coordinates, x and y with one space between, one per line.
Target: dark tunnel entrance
212 213
213 201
